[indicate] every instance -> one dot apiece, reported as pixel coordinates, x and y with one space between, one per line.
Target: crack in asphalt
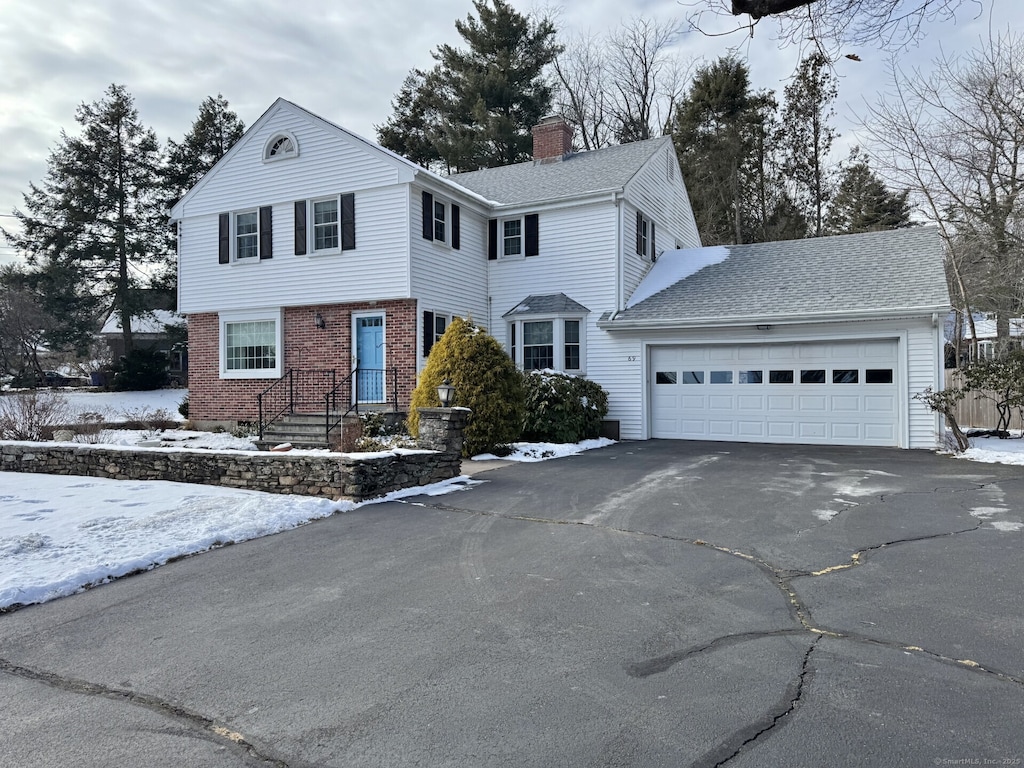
205 727
780 577
744 738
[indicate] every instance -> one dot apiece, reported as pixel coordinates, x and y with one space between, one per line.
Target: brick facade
306 348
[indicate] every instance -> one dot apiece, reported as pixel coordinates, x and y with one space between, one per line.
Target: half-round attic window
280 146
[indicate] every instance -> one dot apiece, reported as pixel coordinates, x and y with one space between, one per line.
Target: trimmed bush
486 381
561 408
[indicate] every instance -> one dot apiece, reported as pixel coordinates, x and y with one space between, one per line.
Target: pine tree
808 138
97 217
477 106
722 133
863 203
213 133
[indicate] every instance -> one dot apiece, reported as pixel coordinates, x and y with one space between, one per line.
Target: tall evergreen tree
213 133
863 203
98 215
477 106
809 137
721 135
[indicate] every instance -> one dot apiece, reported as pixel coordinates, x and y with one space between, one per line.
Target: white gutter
788 319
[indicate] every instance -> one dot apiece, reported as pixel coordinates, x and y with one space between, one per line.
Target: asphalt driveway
648 604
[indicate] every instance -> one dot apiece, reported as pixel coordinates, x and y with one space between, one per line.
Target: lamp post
446 393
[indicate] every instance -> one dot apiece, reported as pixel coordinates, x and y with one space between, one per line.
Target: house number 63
631 359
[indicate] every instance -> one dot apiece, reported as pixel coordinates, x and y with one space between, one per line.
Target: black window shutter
300 227
654 253
532 227
428 216
455 226
224 238
266 232
428 332
639 233
492 239
348 222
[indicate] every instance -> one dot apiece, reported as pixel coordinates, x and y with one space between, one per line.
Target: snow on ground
60 534
543 451
992 450
122 406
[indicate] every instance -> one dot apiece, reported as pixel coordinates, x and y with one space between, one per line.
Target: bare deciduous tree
623 87
830 23
955 137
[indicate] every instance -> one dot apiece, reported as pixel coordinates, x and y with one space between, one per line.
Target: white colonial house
317 269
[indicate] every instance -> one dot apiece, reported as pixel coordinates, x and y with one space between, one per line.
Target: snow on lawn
992 450
122 406
60 534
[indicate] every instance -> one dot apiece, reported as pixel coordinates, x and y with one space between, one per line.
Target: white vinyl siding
576 259
447 281
328 165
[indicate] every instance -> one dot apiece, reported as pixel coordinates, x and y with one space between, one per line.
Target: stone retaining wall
332 475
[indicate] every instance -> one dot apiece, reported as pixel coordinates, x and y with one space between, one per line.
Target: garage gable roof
864 274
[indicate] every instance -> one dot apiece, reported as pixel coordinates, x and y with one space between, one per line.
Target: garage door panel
836 405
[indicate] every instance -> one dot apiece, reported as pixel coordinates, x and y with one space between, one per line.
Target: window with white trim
280 147
247 235
512 237
440 221
326 218
556 343
250 344
645 238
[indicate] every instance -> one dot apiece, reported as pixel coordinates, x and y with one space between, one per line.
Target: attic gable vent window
280 147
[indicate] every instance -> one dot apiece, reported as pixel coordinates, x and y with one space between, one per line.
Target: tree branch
758 9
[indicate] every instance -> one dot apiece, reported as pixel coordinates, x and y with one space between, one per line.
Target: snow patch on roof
673 266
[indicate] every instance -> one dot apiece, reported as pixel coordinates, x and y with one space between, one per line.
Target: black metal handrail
372 378
296 389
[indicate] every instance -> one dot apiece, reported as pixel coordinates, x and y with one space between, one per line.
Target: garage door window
845 376
693 377
721 377
751 377
815 376
878 376
665 377
780 377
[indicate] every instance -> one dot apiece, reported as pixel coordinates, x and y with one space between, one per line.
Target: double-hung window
512 237
645 245
440 220
246 235
326 219
325 225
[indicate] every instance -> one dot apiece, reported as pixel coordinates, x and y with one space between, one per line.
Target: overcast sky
343 60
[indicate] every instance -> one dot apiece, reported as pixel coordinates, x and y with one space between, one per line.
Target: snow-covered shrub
32 415
561 408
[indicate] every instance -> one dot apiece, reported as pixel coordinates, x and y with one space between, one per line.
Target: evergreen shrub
142 369
561 408
486 381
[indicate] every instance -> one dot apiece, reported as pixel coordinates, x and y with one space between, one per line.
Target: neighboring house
309 249
985 335
149 331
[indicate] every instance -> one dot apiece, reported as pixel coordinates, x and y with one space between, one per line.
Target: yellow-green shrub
486 381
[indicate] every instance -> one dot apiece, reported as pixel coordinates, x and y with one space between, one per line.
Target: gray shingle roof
547 304
584 172
875 272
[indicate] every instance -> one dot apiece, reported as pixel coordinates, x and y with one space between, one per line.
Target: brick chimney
552 140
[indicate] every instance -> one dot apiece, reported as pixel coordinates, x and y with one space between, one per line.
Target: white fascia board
558 203
747 320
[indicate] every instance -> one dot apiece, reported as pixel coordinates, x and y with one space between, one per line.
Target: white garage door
840 393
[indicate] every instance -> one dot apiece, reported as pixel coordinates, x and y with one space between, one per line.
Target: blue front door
370 359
